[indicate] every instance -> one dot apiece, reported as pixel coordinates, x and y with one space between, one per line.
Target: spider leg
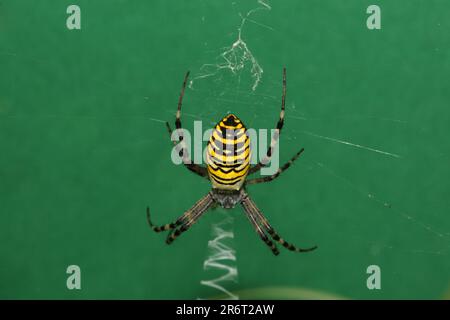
277 132
250 206
187 216
193 218
183 152
180 102
280 170
167 226
253 219
197 169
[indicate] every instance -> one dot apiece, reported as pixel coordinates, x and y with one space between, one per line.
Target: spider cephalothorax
227 198
228 165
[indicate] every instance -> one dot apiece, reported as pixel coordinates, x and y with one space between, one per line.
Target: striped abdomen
228 154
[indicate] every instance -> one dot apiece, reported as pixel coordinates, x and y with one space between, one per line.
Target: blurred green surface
84 149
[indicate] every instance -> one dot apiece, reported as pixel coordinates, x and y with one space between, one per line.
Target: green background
84 149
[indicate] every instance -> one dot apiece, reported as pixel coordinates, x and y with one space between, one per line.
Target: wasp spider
228 164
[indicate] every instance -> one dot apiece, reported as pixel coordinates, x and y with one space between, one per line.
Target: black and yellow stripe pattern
228 154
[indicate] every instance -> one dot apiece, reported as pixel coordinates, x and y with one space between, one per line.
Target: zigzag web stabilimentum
221 258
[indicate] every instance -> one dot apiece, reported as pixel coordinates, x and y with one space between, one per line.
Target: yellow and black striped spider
227 172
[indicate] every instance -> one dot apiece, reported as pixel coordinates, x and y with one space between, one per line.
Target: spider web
240 61
239 81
